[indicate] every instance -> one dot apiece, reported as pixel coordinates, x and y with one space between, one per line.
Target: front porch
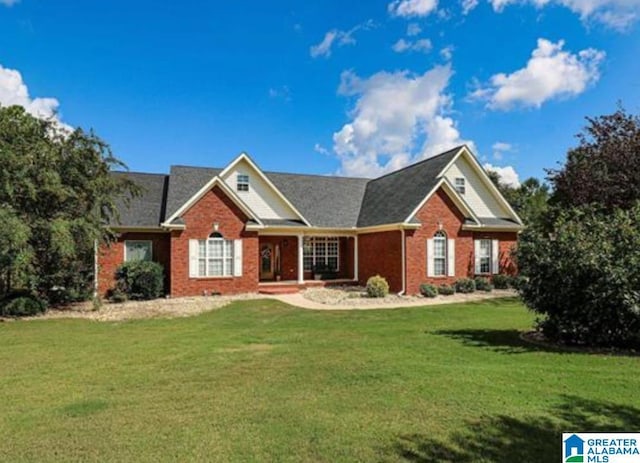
286 261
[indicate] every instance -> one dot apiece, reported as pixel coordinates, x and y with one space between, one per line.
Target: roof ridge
277 172
457 148
138 173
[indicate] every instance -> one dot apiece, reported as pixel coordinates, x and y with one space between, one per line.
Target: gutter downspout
95 268
404 265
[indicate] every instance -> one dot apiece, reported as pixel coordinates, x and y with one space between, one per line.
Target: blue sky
349 87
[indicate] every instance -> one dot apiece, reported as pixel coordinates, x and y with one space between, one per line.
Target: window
484 257
137 250
243 182
460 185
215 257
439 254
321 251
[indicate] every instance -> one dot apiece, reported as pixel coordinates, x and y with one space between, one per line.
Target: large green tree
530 199
56 195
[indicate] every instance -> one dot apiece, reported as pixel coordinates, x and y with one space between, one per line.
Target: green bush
465 286
584 279
501 281
21 304
517 282
139 280
446 290
377 286
428 290
483 284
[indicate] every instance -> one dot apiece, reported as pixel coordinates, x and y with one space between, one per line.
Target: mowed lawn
261 381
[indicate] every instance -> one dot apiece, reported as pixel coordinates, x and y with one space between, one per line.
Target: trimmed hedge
446 290
483 284
22 304
501 281
377 286
465 286
428 290
141 280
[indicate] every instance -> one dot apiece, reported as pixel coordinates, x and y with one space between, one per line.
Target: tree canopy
56 195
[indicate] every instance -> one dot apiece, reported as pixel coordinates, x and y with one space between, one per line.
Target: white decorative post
355 258
300 260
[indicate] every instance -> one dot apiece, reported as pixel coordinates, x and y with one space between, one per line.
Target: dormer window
460 185
243 182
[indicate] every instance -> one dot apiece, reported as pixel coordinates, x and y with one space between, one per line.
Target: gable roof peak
422 161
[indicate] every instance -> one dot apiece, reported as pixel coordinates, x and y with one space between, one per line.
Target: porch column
300 259
355 258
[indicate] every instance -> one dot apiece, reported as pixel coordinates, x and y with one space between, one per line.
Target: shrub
584 278
428 290
377 286
139 280
465 285
21 304
501 281
446 290
517 282
483 284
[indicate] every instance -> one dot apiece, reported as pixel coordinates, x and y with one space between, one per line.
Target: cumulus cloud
409 8
550 73
507 174
397 118
468 5
447 52
499 148
617 14
413 29
339 37
421 46
13 91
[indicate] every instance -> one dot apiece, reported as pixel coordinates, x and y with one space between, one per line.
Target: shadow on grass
506 439
504 341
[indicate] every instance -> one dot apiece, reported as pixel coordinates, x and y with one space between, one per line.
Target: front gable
261 195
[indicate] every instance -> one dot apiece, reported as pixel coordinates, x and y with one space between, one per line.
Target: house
235 229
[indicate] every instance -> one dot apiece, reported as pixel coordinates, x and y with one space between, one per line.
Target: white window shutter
476 255
451 257
237 258
193 258
430 271
495 256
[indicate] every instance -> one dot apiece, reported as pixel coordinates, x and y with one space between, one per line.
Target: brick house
239 229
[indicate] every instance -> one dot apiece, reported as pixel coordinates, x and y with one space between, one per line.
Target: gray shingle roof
392 197
496 222
184 182
146 209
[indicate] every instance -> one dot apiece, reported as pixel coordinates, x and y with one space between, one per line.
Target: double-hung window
320 251
484 256
460 185
215 257
439 254
242 183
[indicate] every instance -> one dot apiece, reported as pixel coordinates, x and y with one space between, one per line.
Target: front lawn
261 381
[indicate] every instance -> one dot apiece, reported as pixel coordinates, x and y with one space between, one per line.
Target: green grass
261 381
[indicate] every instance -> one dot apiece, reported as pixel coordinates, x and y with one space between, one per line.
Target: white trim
496 228
216 180
137 241
300 259
237 258
495 256
430 262
451 192
126 229
451 257
245 157
403 263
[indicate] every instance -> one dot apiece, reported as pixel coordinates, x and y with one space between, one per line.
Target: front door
266 261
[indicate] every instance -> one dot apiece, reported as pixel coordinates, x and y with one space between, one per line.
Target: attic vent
243 182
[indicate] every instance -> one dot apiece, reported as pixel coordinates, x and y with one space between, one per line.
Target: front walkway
393 302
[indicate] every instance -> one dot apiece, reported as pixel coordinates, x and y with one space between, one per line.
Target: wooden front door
266 261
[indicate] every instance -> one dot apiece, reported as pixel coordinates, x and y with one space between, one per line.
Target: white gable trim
216 180
245 157
452 193
464 151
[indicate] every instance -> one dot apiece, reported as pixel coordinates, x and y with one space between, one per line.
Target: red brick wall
214 206
381 254
110 257
441 210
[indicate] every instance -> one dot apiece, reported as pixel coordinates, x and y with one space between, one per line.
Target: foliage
465 285
585 280
604 169
428 290
483 284
377 286
500 281
530 199
56 194
517 282
140 280
21 304
446 290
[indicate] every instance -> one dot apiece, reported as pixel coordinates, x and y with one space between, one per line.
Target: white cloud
507 174
468 5
550 73
340 37
447 52
617 14
499 148
398 118
282 92
421 45
13 91
413 29
318 148
408 8
9 2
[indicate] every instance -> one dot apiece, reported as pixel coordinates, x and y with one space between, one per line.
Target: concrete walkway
298 300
